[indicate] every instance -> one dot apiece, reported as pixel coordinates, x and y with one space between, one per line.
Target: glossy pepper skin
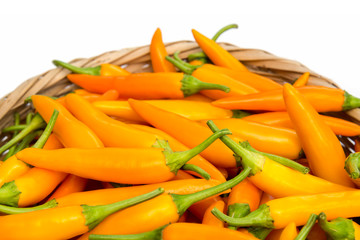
70 131
302 80
323 99
158 53
149 85
281 119
210 219
323 150
70 184
218 55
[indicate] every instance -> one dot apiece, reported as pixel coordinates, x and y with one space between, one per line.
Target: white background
323 35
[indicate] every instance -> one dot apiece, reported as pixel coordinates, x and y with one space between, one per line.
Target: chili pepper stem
238 210
191 85
350 102
90 70
153 235
258 218
14 210
259 232
48 129
240 114
305 230
95 214
186 68
337 229
13 128
175 160
249 159
183 202
36 123
27 140
197 169
284 161
9 194
352 165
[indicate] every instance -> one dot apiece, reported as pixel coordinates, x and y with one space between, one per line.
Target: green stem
9 194
49 127
13 128
14 210
350 102
181 65
338 229
175 160
249 159
29 117
90 70
12 149
120 185
284 161
36 123
238 210
222 30
27 140
95 214
240 114
177 58
151 235
183 202
259 232
191 85
305 230
352 165
197 169
261 217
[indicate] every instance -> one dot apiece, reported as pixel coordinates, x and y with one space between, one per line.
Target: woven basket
55 83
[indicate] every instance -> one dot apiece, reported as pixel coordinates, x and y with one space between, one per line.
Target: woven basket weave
54 82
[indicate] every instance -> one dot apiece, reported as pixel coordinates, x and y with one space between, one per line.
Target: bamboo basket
54 82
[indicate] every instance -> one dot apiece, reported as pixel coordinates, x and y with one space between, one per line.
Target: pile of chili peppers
200 148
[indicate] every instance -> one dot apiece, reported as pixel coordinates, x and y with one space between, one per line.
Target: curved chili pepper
289 232
122 165
218 55
180 231
276 179
63 223
104 69
324 152
323 99
209 218
274 140
280 212
281 119
110 95
13 167
237 88
254 80
339 228
200 57
217 153
159 211
194 110
302 80
71 184
70 131
146 85
158 54
111 132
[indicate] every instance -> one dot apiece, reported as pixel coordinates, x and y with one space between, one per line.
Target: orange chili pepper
302 80
174 144
63 223
218 55
71 184
198 97
109 95
122 165
339 228
281 119
180 231
209 218
280 212
324 152
146 85
289 232
111 132
256 81
70 131
194 110
217 153
104 69
275 140
158 54
323 99
276 179
237 88
265 198
159 211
